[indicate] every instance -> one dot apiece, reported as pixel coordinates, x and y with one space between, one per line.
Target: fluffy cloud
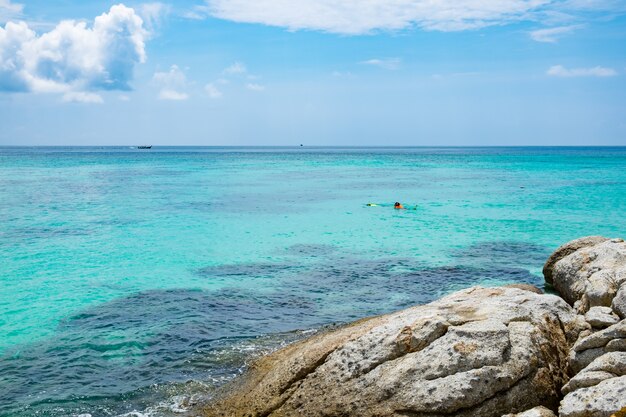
73 56
358 16
387 63
10 10
561 71
173 84
552 35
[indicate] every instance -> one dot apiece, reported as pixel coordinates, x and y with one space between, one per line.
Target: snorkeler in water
398 206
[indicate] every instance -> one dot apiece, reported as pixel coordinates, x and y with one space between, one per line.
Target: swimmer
398 206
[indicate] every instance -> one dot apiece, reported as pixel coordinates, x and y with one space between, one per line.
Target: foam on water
137 282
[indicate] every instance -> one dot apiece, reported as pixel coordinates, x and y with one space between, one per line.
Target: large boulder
589 272
480 352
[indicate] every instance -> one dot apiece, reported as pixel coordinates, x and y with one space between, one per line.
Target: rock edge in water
477 352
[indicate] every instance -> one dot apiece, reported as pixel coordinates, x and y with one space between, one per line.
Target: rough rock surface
566 250
588 272
619 302
535 412
478 352
588 348
602 400
604 367
601 317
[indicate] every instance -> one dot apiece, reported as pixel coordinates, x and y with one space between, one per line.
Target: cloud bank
561 71
363 16
73 57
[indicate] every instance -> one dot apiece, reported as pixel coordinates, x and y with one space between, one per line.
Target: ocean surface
135 282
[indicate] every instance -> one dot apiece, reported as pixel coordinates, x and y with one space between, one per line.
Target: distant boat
144 147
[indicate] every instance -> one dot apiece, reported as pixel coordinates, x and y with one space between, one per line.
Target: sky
313 72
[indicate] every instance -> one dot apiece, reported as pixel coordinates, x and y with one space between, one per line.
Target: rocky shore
506 351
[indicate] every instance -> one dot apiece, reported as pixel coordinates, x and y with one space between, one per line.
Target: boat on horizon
144 147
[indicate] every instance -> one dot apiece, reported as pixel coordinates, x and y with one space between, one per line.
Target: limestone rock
602 400
588 272
601 317
480 352
534 412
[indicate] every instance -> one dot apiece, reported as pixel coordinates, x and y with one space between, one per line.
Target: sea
138 282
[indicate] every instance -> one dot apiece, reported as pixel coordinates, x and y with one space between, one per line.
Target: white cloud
354 17
82 97
235 68
387 63
123 97
9 11
358 16
561 71
73 56
212 91
173 95
255 87
173 84
153 14
552 35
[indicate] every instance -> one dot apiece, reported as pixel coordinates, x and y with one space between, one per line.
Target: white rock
588 271
601 317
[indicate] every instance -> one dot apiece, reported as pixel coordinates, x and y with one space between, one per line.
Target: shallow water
131 281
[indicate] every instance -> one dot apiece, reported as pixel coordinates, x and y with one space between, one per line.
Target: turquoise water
134 280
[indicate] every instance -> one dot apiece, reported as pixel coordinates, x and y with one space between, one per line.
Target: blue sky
318 72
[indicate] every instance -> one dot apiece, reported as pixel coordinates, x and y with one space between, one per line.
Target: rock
580 360
602 400
601 317
602 337
585 379
587 349
619 302
527 287
607 366
534 412
479 352
566 250
598 390
588 272
616 345
613 362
